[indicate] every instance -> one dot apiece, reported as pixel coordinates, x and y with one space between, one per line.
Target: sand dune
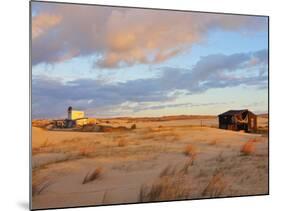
146 164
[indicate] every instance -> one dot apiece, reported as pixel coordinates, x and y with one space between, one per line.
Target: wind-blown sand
133 165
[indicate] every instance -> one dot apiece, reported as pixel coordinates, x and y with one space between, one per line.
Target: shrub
189 150
134 126
167 188
248 148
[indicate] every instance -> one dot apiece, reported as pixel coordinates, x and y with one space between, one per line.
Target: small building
75 114
238 120
75 118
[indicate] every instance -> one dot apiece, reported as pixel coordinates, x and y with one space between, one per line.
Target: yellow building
81 122
77 116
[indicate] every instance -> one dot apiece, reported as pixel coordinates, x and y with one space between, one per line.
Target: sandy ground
164 160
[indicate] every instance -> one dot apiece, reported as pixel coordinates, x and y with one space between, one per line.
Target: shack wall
229 122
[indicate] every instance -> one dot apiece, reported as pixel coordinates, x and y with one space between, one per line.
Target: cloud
41 23
123 36
142 107
51 96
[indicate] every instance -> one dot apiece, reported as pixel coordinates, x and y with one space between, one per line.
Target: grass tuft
96 174
38 188
215 186
187 165
166 188
168 171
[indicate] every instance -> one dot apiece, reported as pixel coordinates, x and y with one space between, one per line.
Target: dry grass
46 143
253 140
190 150
166 188
194 163
215 186
213 142
168 133
41 123
35 150
154 129
171 135
220 158
96 174
67 157
121 143
39 187
187 165
87 151
159 134
248 148
72 140
148 136
76 146
104 198
168 171
46 147
175 138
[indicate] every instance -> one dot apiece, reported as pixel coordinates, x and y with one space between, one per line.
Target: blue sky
131 62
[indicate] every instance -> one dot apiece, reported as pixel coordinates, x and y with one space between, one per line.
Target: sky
112 61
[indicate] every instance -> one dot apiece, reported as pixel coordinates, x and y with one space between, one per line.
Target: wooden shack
238 120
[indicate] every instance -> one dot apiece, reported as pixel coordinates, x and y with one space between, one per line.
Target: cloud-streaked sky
112 61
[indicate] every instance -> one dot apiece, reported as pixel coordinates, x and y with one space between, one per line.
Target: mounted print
133 105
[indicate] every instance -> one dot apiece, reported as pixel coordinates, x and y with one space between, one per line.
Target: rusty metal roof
234 112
